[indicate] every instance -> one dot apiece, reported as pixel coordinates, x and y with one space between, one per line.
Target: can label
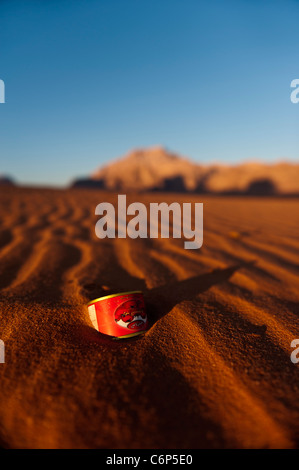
119 314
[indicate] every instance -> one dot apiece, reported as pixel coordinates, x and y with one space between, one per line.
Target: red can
120 315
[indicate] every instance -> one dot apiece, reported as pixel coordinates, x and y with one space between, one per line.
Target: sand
213 370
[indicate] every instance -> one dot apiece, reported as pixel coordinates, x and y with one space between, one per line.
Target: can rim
129 336
113 295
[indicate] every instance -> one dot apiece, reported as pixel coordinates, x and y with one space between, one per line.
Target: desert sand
212 371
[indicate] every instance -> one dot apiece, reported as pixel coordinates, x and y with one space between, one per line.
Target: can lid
114 295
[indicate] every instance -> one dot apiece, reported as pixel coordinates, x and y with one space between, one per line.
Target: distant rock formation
88 183
157 169
262 187
176 184
6 181
149 169
248 178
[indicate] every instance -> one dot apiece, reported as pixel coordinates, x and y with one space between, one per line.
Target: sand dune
214 368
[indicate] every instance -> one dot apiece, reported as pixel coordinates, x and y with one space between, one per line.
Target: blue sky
86 81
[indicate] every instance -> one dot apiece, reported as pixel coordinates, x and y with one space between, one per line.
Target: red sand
214 368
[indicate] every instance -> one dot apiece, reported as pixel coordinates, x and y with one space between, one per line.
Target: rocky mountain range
157 169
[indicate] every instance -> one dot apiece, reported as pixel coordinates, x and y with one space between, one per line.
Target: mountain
149 169
255 178
157 169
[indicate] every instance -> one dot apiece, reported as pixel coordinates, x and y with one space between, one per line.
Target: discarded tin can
120 315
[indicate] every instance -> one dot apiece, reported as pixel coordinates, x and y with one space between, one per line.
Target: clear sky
86 81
